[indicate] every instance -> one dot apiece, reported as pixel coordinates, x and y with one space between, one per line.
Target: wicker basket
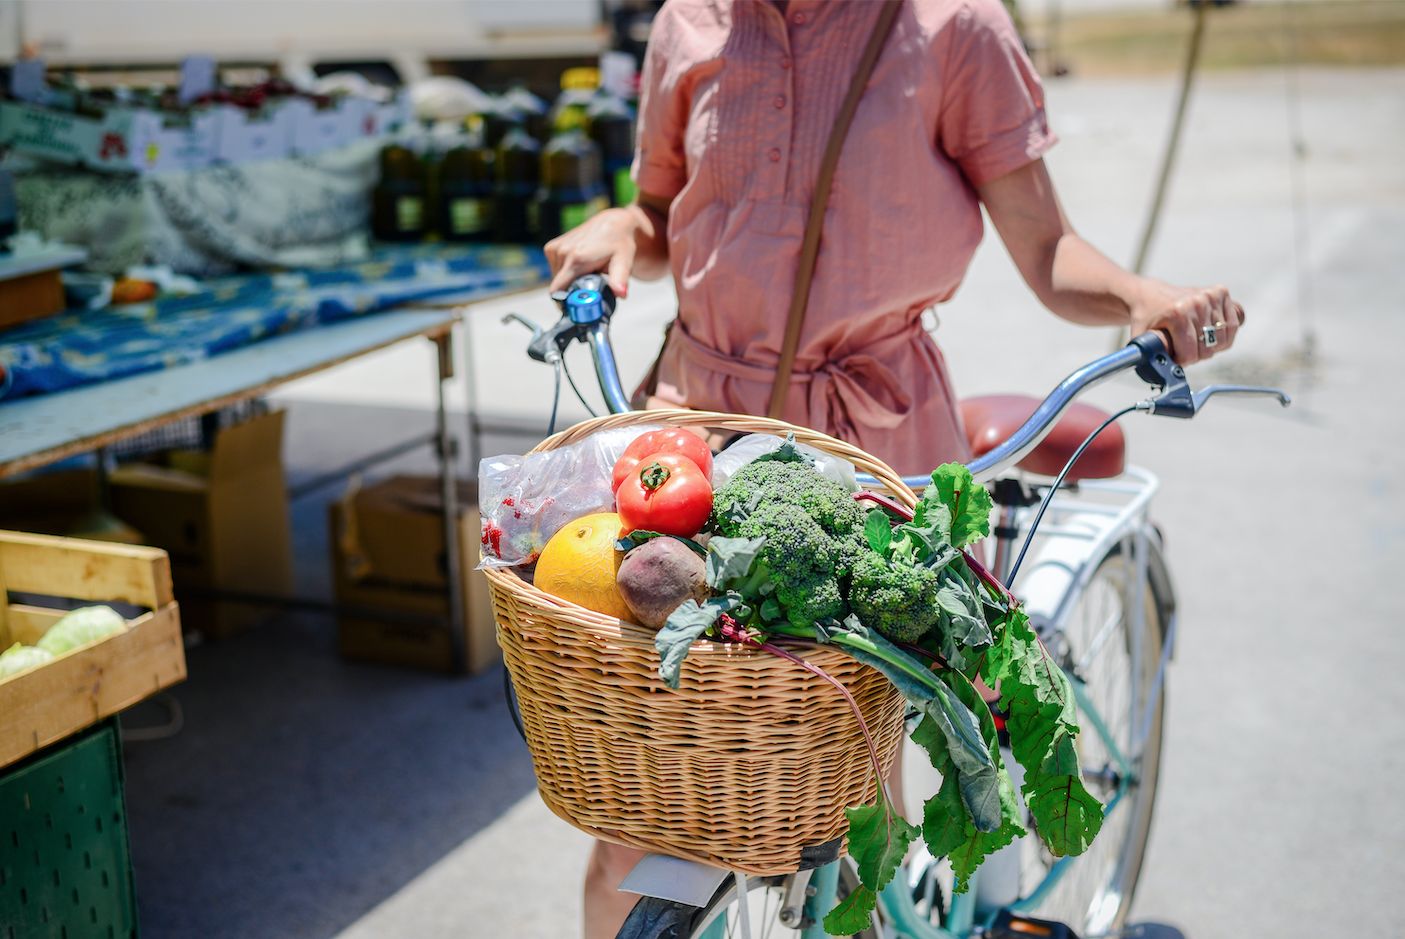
750 760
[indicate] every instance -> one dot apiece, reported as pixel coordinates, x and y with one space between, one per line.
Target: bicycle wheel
1101 645
667 919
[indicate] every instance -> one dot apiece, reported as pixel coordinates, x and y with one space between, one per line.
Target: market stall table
39 430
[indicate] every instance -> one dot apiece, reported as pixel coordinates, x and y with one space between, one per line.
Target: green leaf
963 620
639 536
729 559
931 514
1037 695
878 840
980 845
853 914
684 625
1067 815
1043 726
945 824
975 768
929 736
967 500
787 452
771 609
878 531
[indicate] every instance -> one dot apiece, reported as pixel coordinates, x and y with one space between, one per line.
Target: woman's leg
605 907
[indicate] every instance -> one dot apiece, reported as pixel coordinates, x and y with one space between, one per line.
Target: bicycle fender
671 878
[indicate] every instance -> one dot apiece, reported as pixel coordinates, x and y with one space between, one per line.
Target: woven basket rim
612 628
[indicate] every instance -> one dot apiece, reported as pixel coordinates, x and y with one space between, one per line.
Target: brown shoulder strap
810 247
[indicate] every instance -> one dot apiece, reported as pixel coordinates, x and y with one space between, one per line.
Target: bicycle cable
588 409
555 400
1044 504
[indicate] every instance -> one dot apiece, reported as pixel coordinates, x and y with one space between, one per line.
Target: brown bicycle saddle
991 419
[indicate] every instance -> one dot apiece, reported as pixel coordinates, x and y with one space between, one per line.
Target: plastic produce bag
752 446
524 500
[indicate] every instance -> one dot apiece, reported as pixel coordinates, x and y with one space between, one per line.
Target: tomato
668 440
667 493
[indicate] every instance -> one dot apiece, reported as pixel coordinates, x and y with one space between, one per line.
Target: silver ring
1209 336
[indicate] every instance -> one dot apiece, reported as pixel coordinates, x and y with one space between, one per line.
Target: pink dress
737 105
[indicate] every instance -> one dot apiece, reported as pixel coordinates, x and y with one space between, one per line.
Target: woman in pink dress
738 100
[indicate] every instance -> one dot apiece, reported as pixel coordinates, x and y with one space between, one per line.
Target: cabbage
21 658
81 627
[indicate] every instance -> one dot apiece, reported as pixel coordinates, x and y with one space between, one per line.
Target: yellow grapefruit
579 564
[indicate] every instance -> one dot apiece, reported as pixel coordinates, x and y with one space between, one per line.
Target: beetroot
657 576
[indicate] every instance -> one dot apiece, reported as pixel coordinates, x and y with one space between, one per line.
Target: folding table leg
449 486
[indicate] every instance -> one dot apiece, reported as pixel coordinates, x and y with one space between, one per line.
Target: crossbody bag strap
810 247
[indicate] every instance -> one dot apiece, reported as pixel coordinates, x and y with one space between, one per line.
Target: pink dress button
774 155
785 61
780 101
800 19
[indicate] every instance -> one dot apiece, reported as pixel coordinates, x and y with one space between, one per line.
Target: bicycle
1100 597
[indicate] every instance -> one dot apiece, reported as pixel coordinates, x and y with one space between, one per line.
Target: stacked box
388 555
223 518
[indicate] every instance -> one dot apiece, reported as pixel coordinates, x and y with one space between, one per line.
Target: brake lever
546 345
1204 393
1176 398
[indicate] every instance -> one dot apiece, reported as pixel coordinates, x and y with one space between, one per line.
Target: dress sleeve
992 119
660 163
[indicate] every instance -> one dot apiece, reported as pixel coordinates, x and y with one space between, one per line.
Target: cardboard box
244 137
222 517
388 555
160 142
61 503
318 129
98 143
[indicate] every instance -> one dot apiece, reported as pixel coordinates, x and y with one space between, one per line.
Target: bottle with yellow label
572 183
398 201
466 191
611 125
517 168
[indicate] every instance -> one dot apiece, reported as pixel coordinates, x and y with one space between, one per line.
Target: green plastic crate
65 864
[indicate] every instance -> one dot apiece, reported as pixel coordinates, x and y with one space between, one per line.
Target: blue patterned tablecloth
83 347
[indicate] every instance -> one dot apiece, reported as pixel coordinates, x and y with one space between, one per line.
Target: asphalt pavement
313 797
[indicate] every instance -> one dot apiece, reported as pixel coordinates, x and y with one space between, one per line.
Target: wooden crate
87 684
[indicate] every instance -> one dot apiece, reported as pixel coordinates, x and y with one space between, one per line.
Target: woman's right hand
616 241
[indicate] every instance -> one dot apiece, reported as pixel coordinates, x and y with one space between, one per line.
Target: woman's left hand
1200 321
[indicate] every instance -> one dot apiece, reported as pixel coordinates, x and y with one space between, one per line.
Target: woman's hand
1183 314
620 242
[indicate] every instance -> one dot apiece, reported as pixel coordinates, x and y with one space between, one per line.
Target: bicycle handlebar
586 309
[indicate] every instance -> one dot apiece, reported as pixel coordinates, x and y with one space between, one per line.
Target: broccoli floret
898 600
812 529
794 483
801 561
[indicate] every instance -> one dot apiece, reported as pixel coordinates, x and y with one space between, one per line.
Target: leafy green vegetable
80 627
730 560
685 624
878 531
21 658
878 839
967 501
852 914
